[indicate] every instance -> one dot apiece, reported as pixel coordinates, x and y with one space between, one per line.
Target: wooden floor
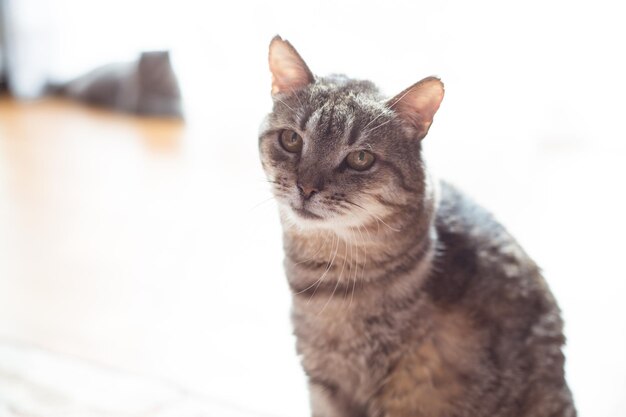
114 255
140 261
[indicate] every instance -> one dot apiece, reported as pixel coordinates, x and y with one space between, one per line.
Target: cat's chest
345 349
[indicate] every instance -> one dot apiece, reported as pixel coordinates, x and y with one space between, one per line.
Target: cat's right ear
289 71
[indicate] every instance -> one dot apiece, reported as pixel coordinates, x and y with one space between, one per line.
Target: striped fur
408 298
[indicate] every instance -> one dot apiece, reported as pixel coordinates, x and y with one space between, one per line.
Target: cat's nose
307 191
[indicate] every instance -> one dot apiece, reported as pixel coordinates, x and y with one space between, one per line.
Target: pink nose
307 191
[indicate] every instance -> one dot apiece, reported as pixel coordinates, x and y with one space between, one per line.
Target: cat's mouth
307 214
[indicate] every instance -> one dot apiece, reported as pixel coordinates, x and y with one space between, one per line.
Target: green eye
360 160
290 141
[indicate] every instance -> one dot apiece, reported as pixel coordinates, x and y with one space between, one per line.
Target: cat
147 87
408 298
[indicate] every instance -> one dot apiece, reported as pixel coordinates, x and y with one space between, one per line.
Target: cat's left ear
418 104
289 71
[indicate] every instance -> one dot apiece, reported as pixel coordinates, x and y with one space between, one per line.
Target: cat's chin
306 214
306 220
303 219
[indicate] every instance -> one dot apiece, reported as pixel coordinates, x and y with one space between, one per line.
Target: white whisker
316 252
356 270
321 279
261 203
285 104
350 264
364 256
373 120
373 215
324 273
400 98
374 128
294 93
338 279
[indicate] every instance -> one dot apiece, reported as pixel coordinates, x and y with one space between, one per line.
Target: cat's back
479 262
484 275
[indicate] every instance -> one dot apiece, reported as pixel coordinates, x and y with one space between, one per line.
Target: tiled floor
140 261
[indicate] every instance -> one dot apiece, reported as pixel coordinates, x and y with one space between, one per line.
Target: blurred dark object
146 87
3 58
25 45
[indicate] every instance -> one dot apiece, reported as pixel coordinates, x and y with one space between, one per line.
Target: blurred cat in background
146 87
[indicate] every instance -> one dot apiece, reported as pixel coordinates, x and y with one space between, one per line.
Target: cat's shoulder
477 256
460 216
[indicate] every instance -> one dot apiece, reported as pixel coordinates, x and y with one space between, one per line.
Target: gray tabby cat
147 87
408 299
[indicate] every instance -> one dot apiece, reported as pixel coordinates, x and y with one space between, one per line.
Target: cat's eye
290 141
360 160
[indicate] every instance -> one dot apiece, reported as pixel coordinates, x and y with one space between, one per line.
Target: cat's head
335 151
156 74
